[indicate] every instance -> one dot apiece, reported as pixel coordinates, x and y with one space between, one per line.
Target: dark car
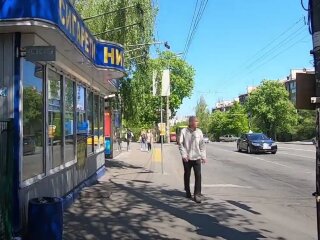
29 146
255 143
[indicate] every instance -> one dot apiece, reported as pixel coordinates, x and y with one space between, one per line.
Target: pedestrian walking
192 149
129 137
149 140
143 141
118 139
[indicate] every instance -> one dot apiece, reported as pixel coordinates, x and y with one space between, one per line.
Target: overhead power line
197 15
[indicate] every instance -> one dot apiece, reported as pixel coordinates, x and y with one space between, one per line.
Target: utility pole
314 11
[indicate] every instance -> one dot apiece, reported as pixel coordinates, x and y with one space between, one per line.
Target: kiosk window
101 122
90 140
96 122
69 121
82 127
55 119
33 120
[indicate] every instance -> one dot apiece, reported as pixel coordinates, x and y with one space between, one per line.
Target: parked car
206 139
29 145
173 137
256 142
228 138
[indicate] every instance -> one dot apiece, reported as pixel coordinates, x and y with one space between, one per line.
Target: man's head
193 122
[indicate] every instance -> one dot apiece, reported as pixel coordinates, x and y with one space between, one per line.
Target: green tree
271 108
140 107
237 120
140 12
305 128
203 115
218 124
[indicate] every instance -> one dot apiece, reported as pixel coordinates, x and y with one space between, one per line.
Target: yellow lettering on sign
68 19
108 55
87 42
82 37
78 32
119 57
74 21
62 7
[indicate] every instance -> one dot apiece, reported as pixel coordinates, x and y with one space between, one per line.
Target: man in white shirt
192 149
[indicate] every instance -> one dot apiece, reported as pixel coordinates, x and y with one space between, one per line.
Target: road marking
304 150
285 153
279 164
156 155
223 186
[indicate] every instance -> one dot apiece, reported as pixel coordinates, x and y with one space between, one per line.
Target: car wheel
249 151
238 147
274 152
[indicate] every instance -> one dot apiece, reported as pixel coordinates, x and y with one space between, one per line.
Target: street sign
162 128
41 53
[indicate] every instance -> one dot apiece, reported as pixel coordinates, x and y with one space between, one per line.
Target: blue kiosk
55 75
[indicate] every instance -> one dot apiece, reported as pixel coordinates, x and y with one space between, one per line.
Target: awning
58 24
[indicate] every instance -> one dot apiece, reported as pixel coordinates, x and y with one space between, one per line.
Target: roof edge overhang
57 19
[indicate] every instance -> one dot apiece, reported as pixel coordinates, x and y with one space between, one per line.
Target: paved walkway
134 200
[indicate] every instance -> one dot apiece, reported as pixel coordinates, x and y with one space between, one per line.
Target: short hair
192 118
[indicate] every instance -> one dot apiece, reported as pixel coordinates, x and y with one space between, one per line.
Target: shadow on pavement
120 165
142 211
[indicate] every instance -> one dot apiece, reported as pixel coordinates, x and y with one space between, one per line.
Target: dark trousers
196 165
149 146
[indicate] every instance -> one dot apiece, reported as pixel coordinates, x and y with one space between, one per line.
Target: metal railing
6 178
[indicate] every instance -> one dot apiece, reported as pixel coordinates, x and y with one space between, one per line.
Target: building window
82 127
55 119
69 121
101 122
33 120
90 140
96 111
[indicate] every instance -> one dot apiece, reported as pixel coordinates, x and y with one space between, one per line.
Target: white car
228 138
206 139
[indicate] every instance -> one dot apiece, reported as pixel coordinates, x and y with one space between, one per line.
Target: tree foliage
140 12
235 121
271 108
140 107
203 114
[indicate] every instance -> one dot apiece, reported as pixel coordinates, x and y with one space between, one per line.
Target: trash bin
45 218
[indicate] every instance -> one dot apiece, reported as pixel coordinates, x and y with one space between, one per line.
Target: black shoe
197 198
188 195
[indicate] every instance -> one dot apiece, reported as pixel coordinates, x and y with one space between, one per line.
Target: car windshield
257 137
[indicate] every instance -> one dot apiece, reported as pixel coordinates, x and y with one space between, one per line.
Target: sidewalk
134 200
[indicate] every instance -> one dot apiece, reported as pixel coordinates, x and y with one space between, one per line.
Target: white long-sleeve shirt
191 144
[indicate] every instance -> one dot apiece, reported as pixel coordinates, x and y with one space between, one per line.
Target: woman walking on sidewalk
149 140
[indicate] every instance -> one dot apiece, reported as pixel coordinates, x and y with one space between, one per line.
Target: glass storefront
82 126
74 136
33 120
90 141
55 119
69 119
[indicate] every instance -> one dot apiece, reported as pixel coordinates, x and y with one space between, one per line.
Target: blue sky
228 52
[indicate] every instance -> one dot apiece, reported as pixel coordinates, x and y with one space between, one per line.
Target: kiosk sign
41 53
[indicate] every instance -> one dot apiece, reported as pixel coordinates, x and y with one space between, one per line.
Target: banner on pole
154 83
165 89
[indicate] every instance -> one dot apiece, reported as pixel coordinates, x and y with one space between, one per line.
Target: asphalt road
246 197
271 190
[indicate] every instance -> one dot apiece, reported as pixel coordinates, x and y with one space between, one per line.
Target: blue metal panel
17 139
